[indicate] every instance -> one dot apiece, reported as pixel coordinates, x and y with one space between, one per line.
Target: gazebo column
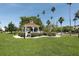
33 29
38 30
23 29
25 32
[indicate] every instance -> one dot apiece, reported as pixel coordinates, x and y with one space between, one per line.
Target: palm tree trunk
53 19
74 24
61 29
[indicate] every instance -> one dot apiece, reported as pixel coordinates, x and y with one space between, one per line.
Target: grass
50 46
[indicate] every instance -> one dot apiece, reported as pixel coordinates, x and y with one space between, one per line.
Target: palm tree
75 19
38 15
51 17
53 10
43 12
77 14
49 25
70 15
61 19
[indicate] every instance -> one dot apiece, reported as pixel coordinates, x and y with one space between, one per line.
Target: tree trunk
74 24
61 29
11 32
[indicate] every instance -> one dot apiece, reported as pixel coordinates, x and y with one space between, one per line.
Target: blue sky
12 12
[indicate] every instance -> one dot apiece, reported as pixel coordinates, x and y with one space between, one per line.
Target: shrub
21 34
45 33
39 34
52 34
36 34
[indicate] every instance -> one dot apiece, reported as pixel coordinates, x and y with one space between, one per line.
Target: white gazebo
32 25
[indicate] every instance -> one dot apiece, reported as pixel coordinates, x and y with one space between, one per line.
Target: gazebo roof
31 24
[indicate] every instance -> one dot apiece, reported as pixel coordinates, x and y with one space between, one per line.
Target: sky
12 12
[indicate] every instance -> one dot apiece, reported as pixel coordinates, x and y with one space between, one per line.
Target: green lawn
43 46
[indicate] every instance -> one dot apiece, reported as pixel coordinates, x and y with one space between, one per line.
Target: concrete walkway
16 36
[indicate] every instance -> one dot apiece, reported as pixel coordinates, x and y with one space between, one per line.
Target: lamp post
24 32
70 16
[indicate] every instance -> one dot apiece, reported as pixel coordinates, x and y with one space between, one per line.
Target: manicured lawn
43 46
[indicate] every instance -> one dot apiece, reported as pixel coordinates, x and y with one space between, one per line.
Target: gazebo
32 25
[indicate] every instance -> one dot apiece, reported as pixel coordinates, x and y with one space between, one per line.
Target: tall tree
77 15
49 25
38 15
51 18
61 19
53 9
69 4
11 27
43 12
6 28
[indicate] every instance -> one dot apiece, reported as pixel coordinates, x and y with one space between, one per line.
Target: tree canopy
48 22
77 14
61 19
11 27
36 20
53 9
